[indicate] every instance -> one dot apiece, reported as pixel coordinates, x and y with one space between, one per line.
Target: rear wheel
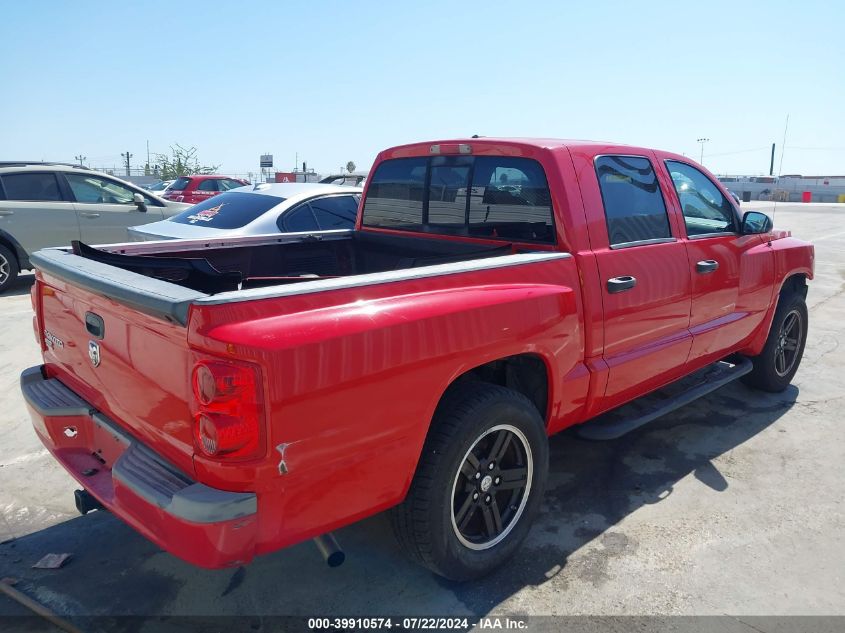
479 483
776 365
8 268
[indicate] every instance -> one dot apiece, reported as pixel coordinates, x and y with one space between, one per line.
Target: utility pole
772 162
702 141
80 158
126 157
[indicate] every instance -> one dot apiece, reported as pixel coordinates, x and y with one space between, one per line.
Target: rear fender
352 388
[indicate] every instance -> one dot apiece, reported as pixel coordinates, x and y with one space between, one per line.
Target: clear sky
338 81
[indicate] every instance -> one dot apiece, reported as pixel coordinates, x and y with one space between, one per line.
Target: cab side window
633 205
706 210
207 185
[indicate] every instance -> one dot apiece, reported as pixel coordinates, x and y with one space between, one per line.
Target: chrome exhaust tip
330 550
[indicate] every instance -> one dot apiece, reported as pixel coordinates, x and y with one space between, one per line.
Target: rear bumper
202 525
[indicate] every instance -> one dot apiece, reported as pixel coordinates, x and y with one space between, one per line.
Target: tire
776 365
448 522
8 268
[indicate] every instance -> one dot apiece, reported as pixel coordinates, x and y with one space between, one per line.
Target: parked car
51 204
351 180
227 398
194 189
158 188
257 210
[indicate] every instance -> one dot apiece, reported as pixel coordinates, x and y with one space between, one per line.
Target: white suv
51 204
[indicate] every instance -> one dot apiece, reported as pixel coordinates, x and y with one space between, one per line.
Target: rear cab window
492 197
633 203
229 210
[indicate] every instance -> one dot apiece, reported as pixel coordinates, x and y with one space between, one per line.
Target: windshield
229 210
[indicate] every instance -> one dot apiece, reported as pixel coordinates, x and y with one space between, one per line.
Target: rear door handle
89 214
706 266
621 284
6 212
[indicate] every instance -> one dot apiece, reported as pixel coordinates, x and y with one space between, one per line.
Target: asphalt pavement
731 505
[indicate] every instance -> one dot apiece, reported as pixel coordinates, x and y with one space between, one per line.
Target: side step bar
648 408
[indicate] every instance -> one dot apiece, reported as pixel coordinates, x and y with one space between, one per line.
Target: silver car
260 210
51 204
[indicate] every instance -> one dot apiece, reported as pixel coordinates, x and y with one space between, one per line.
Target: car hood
166 230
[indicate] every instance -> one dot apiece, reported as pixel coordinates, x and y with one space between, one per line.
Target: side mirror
755 223
139 200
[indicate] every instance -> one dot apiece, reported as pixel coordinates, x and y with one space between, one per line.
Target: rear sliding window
230 210
477 196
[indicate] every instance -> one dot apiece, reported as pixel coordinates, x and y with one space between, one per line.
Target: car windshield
230 210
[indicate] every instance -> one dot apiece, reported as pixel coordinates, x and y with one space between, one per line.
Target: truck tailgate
131 366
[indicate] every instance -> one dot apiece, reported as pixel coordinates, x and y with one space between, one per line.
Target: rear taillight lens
228 410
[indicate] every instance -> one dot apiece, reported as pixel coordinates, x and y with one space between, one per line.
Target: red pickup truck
229 398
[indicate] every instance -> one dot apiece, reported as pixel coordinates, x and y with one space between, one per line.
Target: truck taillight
228 412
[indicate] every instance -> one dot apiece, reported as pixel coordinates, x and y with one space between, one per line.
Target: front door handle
89 214
621 284
6 212
706 266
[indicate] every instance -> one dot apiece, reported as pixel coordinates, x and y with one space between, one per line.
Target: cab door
106 208
644 276
732 274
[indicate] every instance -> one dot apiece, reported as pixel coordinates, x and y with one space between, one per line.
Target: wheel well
524 373
796 283
13 248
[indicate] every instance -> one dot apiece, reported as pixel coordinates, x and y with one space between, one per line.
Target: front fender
792 257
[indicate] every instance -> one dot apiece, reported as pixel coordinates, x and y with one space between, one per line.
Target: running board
648 408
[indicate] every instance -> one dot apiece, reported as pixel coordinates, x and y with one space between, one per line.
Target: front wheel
776 365
479 483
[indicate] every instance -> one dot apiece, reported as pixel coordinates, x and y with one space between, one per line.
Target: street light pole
702 141
126 157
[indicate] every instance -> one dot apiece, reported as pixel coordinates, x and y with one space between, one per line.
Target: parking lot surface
732 505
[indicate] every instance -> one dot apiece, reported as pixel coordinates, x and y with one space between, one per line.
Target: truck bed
164 278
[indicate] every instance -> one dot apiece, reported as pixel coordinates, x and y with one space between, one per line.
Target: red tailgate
133 367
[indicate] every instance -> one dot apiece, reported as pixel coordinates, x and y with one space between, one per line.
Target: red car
227 398
194 189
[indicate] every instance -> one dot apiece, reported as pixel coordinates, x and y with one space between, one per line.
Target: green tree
350 166
182 162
